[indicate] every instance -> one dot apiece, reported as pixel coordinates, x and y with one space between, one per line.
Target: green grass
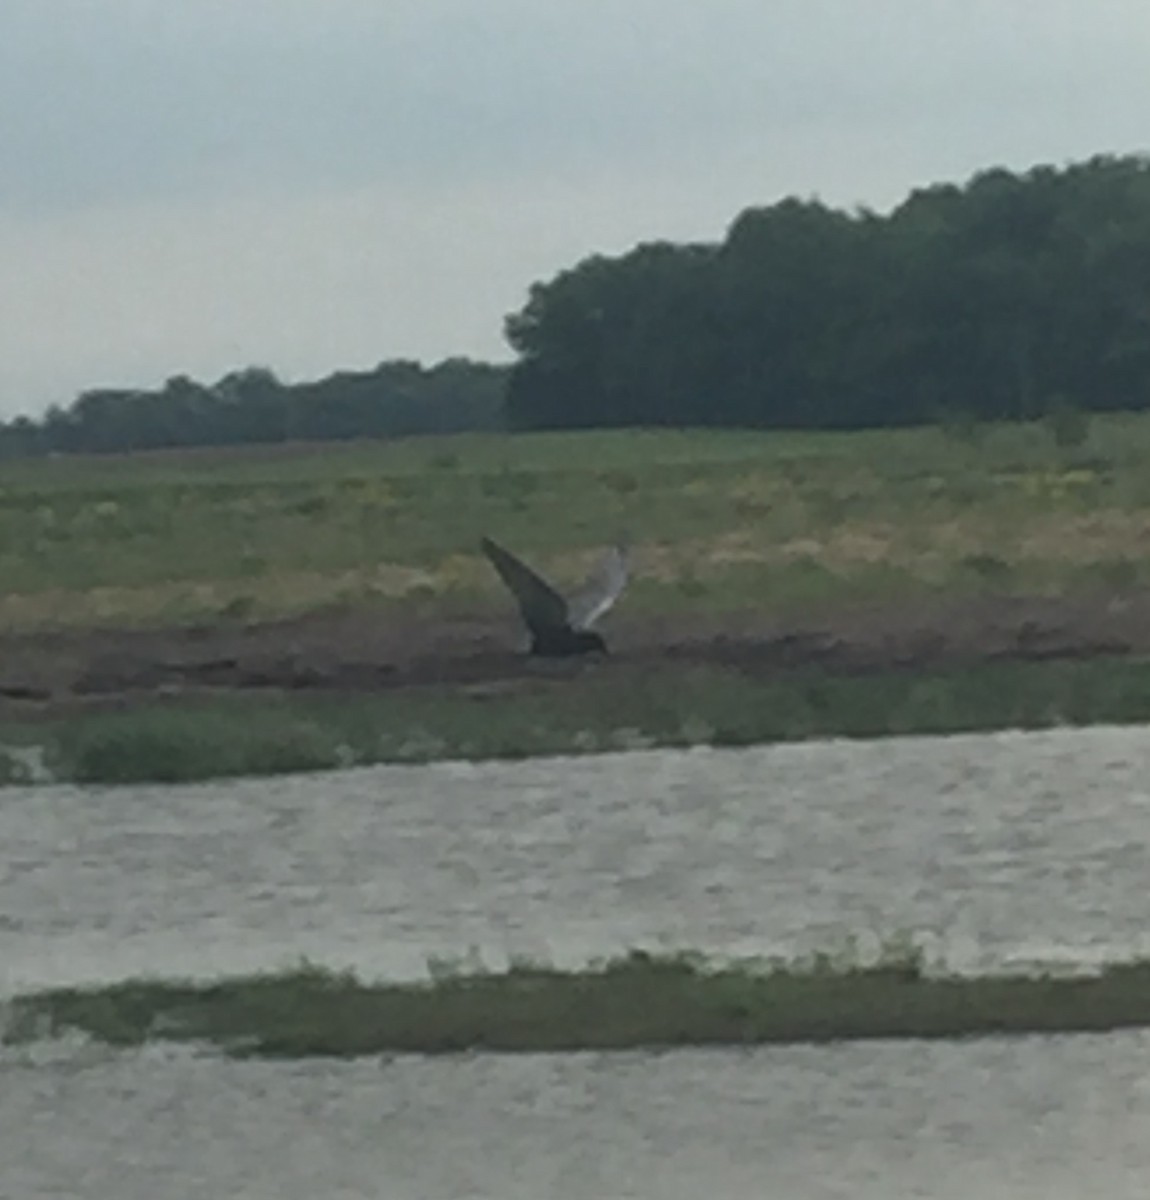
636 1001
719 520
611 709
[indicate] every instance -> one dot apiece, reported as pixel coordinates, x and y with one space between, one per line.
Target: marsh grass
640 1000
615 709
171 744
717 519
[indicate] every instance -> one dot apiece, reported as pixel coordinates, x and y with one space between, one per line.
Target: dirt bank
357 650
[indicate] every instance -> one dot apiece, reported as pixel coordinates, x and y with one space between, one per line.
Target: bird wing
602 589
542 607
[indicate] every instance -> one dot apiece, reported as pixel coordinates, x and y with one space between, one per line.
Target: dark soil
360 650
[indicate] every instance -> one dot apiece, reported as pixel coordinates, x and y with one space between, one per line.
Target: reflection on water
1007 847
1031 1118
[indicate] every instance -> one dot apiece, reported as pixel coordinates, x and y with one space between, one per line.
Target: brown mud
47 672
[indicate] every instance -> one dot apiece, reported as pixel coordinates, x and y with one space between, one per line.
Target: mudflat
361 649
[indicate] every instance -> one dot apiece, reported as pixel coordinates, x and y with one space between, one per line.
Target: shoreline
354 688
375 650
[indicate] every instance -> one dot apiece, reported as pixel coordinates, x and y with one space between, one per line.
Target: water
1034 1118
996 849
1005 847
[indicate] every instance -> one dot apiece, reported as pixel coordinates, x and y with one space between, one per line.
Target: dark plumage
560 627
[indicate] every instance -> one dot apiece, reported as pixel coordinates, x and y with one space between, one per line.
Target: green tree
984 299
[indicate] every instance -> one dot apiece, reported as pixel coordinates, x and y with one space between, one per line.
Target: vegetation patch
177 741
632 1002
170 744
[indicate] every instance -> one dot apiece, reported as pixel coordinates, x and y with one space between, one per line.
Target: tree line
1014 295
1011 296
396 399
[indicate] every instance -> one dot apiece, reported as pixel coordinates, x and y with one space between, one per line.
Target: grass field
786 526
718 520
633 1002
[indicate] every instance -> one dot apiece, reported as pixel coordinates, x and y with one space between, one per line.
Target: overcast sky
191 186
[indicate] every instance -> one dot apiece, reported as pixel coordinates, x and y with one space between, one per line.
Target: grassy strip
612 709
633 1002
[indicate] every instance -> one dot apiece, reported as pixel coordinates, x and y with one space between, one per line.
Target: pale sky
193 186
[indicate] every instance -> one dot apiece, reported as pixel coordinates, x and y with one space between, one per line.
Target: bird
561 627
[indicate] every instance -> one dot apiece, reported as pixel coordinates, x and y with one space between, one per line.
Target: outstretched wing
543 609
601 590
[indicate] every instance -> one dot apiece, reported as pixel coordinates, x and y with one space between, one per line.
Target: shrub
1068 425
181 745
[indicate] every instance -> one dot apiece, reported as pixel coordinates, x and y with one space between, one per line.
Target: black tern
560 627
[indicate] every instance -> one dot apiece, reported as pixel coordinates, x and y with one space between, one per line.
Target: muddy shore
351 650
